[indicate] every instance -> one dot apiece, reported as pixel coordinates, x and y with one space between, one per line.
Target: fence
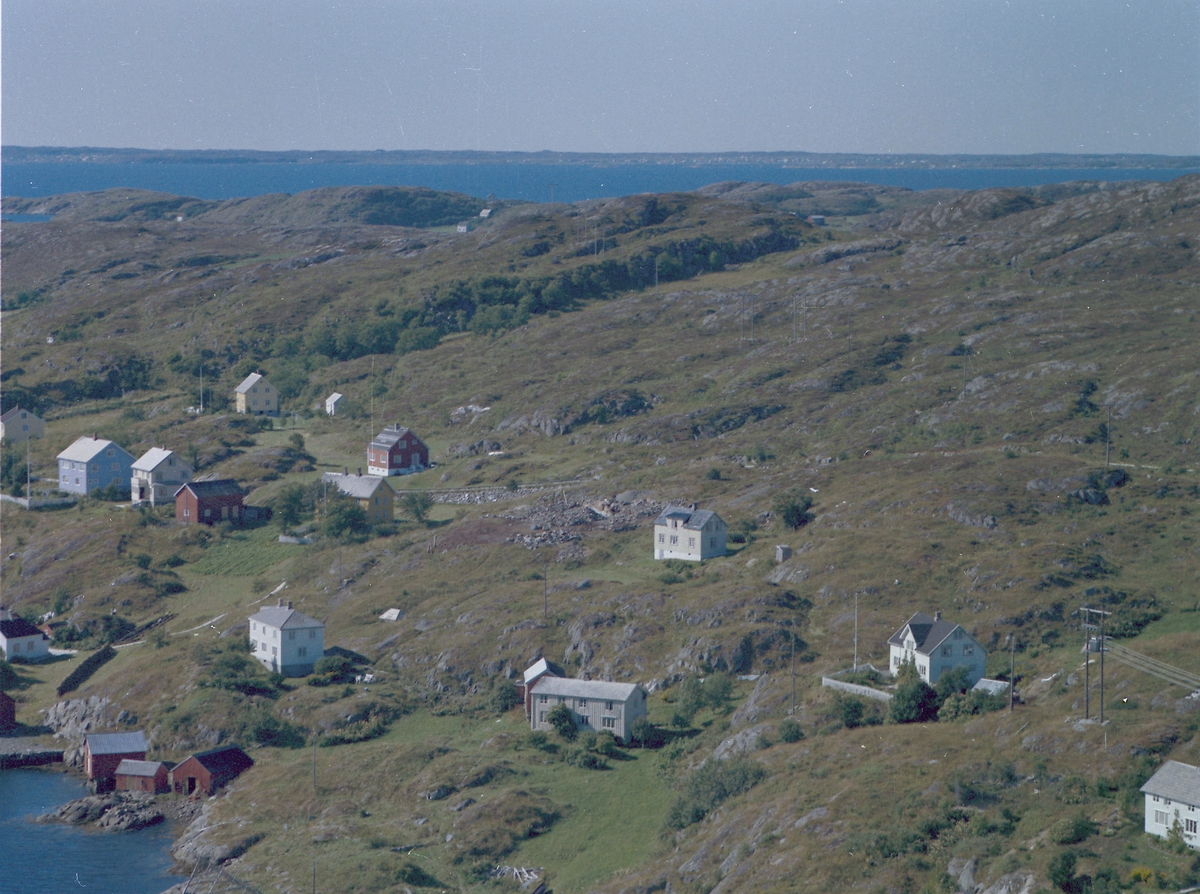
854 688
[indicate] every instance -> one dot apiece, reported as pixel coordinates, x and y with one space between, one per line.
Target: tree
289 506
1062 871
345 517
793 511
790 731
951 682
563 721
8 676
915 700
417 505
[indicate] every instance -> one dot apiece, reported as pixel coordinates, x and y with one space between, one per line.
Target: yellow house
371 492
257 396
19 425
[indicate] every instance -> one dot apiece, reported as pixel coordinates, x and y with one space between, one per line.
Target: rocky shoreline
120 811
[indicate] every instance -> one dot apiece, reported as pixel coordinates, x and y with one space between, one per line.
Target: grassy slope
1099 289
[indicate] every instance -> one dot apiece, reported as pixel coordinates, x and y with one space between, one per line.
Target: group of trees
915 701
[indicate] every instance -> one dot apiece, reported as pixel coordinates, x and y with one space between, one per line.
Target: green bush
90 665
915 700
8 676
563 721
504 697
790 731
711 785
644 734
1072 830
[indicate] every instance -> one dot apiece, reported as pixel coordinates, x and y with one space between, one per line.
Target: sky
918 76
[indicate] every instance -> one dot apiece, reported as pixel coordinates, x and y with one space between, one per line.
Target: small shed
207 771
333 402
103 753
392 614
817 220
8 711
142 776
782 552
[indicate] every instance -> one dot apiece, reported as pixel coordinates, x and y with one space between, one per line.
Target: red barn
8 711
142 776
209 502
103 753
396 451
207 771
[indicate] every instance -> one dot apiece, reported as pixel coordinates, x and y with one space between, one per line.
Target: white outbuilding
333 402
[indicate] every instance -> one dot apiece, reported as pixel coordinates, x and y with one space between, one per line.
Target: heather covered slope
935 372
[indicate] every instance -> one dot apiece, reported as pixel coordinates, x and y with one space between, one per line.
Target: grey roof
86 449
927 632
14 627
1179 782
597 689
280 616
361 487
249 382
129 767
390 435
337 395
991 687
12 414
541 667
116 743
220 487
693 519
152 459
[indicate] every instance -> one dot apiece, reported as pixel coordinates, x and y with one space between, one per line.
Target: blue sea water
50 858
530 182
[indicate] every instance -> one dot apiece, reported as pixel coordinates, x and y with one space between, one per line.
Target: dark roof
221 487
226 759
927 632
116 743
1179 782
693 519
390 435
19 627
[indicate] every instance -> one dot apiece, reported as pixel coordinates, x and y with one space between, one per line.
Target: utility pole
1089 626
1107 436
546 587
793 708
28 478
856 632
201 387
1012 670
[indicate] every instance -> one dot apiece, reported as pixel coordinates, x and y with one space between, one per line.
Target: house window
291 634
967 650
1155 799
958 634
545 698
116 466
610 723
583 720
674 540
110 451
712 541
312 634
95 467
1189 826
561 699
691 543
541 716
945 651
186 513
1160 817
662 538
302 651
208 513
608 706
274 650
582 703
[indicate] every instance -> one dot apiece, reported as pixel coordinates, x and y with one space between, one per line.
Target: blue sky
667 76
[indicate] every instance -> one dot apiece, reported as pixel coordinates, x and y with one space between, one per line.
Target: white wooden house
20 639
595 704
285 640
1173 796
157 476
935 646
683 532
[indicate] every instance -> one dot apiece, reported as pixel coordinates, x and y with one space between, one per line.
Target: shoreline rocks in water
115 812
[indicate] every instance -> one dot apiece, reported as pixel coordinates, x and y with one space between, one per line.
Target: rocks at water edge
114 812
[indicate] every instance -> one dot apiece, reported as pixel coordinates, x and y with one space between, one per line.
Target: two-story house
371 492
684 532
286 641
934 646
1173 796
396 451
157 476
257 396
91 464
594 704
19 425
210 502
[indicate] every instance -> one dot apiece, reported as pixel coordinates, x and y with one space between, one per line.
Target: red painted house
396 451
142 776
209 502
103 753
206 771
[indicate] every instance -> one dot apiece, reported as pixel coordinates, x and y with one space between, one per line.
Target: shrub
505 696
645 734
1072 830
563 721
790 731
8 676
794 511
915 700
89 666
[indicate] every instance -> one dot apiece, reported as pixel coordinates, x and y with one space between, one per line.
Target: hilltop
942 374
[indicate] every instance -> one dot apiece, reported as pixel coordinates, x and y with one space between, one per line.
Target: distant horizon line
779 158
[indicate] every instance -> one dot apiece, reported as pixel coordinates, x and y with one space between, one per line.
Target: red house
207 771
396 451
103 753
142 776
209 502
8 711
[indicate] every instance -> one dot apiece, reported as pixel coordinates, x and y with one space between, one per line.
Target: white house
595 704
257 396
682 532
91 464
19 425
935 646
1173 796
20 639
285 640
331 403
157 476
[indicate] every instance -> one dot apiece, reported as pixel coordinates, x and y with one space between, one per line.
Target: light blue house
91 464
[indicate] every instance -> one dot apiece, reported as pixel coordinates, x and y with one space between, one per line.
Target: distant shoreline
834 161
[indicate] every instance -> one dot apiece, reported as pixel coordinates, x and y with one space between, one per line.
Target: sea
52 858
527 182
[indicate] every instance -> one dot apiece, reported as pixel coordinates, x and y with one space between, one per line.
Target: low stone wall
855 689
10 759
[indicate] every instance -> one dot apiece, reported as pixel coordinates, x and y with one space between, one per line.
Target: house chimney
346 471
360 471
289 603
95 436
937 616
279 604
